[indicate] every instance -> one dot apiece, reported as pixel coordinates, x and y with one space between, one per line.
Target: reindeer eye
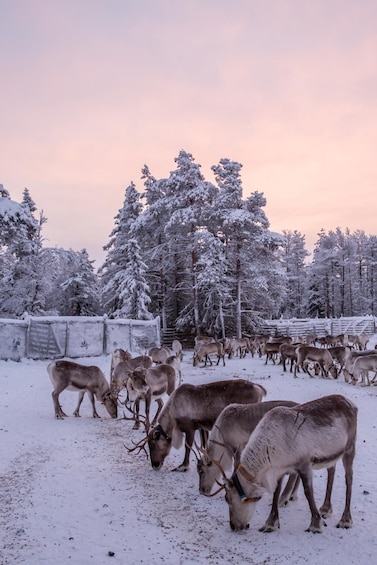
156 435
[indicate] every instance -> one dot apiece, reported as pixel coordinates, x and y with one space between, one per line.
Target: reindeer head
241 506
110 404
208 474
159 444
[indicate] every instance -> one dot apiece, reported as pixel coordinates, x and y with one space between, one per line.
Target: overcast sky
91 90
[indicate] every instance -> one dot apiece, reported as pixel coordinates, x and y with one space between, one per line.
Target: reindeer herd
248 445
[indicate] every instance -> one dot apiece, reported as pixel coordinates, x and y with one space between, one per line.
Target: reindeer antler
218 463
140 445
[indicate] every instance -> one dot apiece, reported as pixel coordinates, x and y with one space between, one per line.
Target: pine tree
123 273
80 289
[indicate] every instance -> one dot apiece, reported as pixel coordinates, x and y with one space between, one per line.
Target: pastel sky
91 90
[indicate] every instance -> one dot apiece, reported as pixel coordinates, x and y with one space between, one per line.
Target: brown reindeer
150 384
66 375
306 354
204 351
123 371
192 408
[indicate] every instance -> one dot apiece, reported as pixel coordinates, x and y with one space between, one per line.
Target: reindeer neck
166 422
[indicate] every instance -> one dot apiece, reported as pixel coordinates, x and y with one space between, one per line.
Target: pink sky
94 89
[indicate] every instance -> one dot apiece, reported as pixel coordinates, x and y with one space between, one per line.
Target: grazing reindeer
339 353
306 354
72 376
205 350
190 408
350 361
228 437
150 384
361 368
314 435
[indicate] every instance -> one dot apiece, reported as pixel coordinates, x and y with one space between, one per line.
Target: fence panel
13 339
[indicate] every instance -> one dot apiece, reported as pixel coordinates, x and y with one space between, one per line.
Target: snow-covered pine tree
23 285
189 199
294 254
250 247
133 290
116 272
80 292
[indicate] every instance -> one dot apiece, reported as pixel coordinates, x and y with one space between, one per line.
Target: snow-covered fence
79 336
320 327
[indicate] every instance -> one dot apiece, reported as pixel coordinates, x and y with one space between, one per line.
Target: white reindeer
227 439
309 436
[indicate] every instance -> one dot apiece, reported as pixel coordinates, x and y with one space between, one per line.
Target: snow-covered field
71 493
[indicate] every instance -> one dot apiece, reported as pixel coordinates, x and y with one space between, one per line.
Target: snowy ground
71 493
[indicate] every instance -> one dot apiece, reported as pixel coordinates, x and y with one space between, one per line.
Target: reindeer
177 349
72 376
339 353
350 361
288 351
361 368
159 354
192 408
117 357
150 384
240 346
123 371
205 350
200 339
175 362
363 340
271 349
228 437
310 436
306 354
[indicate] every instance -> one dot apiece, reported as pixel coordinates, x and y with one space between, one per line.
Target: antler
218 463
140 445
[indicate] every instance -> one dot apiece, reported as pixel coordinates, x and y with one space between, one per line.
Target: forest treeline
196 253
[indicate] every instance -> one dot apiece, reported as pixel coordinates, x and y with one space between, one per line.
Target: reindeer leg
316 522
272 522
57 406
160 405
290 490
91 396
137 409
326 508
346 519
184 466
76 413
